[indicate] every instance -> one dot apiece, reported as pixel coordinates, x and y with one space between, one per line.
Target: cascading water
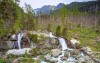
63 44
64 47
20 35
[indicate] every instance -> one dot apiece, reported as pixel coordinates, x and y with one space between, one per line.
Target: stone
87 50
18 51
74 41
53 59
13 37
51 43
47 57
15 61
25 42
63 58
66 54
3 45
81 60
74 52
55 52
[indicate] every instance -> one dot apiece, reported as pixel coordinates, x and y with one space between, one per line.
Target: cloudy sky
39 3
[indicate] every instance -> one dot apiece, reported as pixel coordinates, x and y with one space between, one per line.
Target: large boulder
55 52
19 51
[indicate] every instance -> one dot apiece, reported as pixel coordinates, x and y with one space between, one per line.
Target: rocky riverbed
49 49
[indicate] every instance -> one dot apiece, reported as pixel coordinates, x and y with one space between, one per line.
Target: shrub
26 60
58 31
65 33
1 60
49 28
97 31
33 37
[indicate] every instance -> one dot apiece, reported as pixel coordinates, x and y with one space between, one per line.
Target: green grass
86 36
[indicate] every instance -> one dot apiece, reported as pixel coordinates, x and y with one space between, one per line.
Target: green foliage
86 36
35 51
63 12
2 27
1 61
58 31
49 28
42 37
65 33
16 26
33 37
26 60
1 31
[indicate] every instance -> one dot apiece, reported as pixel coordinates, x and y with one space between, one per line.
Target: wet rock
66 54
47 57
63 58
71 59
11 44
55 52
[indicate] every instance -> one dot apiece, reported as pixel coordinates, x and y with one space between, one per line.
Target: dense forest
77 19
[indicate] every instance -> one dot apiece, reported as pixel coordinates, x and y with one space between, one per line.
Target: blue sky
39 3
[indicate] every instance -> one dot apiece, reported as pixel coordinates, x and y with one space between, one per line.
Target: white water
63 43
43 61
20 35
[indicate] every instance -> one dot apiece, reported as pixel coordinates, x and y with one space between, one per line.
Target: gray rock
47 57
81 60
51 42
66 54
19 52
53 59
74 52
87 50
55 52
63 58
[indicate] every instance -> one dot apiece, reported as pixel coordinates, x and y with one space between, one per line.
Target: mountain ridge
89 6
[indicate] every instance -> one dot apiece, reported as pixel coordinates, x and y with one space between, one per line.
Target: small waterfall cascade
64 47
20 35
63 43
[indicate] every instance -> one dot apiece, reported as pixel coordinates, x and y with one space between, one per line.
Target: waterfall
63 43
20 35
